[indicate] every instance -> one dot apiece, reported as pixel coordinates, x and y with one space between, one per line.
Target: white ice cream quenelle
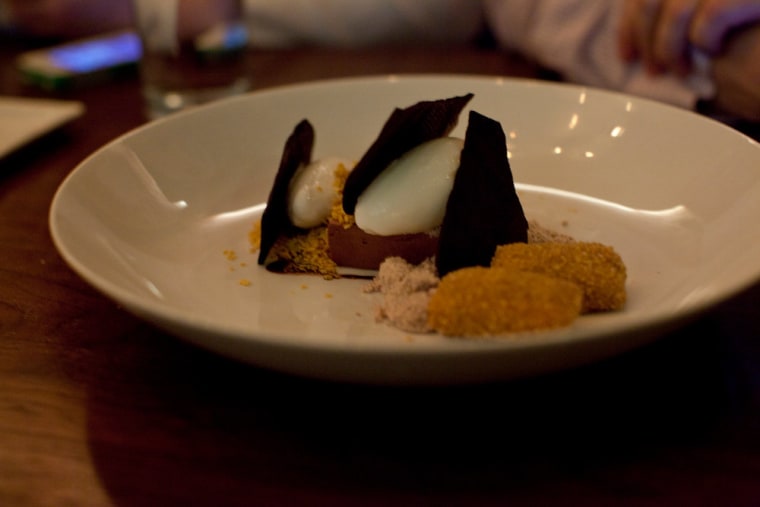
312 192
410 195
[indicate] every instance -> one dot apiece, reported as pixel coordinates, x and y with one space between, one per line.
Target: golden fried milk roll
598 269
479 301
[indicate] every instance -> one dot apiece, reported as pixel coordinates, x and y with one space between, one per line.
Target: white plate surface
23 120
148 218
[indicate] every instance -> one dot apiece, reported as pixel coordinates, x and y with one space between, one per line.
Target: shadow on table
173 425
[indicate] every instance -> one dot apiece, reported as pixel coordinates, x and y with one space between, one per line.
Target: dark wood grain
99 408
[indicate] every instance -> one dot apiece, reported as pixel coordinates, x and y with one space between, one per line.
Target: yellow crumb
337 215
254 236
596 268
230 255
306 253
245 282
328 296
480 301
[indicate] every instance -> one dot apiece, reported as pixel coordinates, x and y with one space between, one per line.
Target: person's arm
578 39
737 76
663 33
352 23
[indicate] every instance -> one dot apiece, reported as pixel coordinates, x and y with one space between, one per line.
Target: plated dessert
437 224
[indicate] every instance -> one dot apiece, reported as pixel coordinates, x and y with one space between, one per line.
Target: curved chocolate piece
483 209
404 129
275 221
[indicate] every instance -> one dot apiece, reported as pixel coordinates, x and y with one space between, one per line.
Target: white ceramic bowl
151 218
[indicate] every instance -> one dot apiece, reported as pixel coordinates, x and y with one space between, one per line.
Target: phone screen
92 55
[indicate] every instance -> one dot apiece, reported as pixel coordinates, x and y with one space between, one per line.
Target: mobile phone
81 62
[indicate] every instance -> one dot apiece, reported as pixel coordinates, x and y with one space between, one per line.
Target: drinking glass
192 52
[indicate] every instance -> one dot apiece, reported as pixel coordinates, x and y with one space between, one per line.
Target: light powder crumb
537 233
406 291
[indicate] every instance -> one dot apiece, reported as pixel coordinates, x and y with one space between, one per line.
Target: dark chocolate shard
483 209
275 220
404 129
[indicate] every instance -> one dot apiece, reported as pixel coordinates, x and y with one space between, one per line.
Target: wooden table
100 408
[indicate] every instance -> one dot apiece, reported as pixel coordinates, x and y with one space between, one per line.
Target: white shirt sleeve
278 23
578 39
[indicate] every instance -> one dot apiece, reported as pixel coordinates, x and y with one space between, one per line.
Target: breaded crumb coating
305 253
480 301
596 268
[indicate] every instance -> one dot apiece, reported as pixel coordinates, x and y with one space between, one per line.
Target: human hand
736 73
663 33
